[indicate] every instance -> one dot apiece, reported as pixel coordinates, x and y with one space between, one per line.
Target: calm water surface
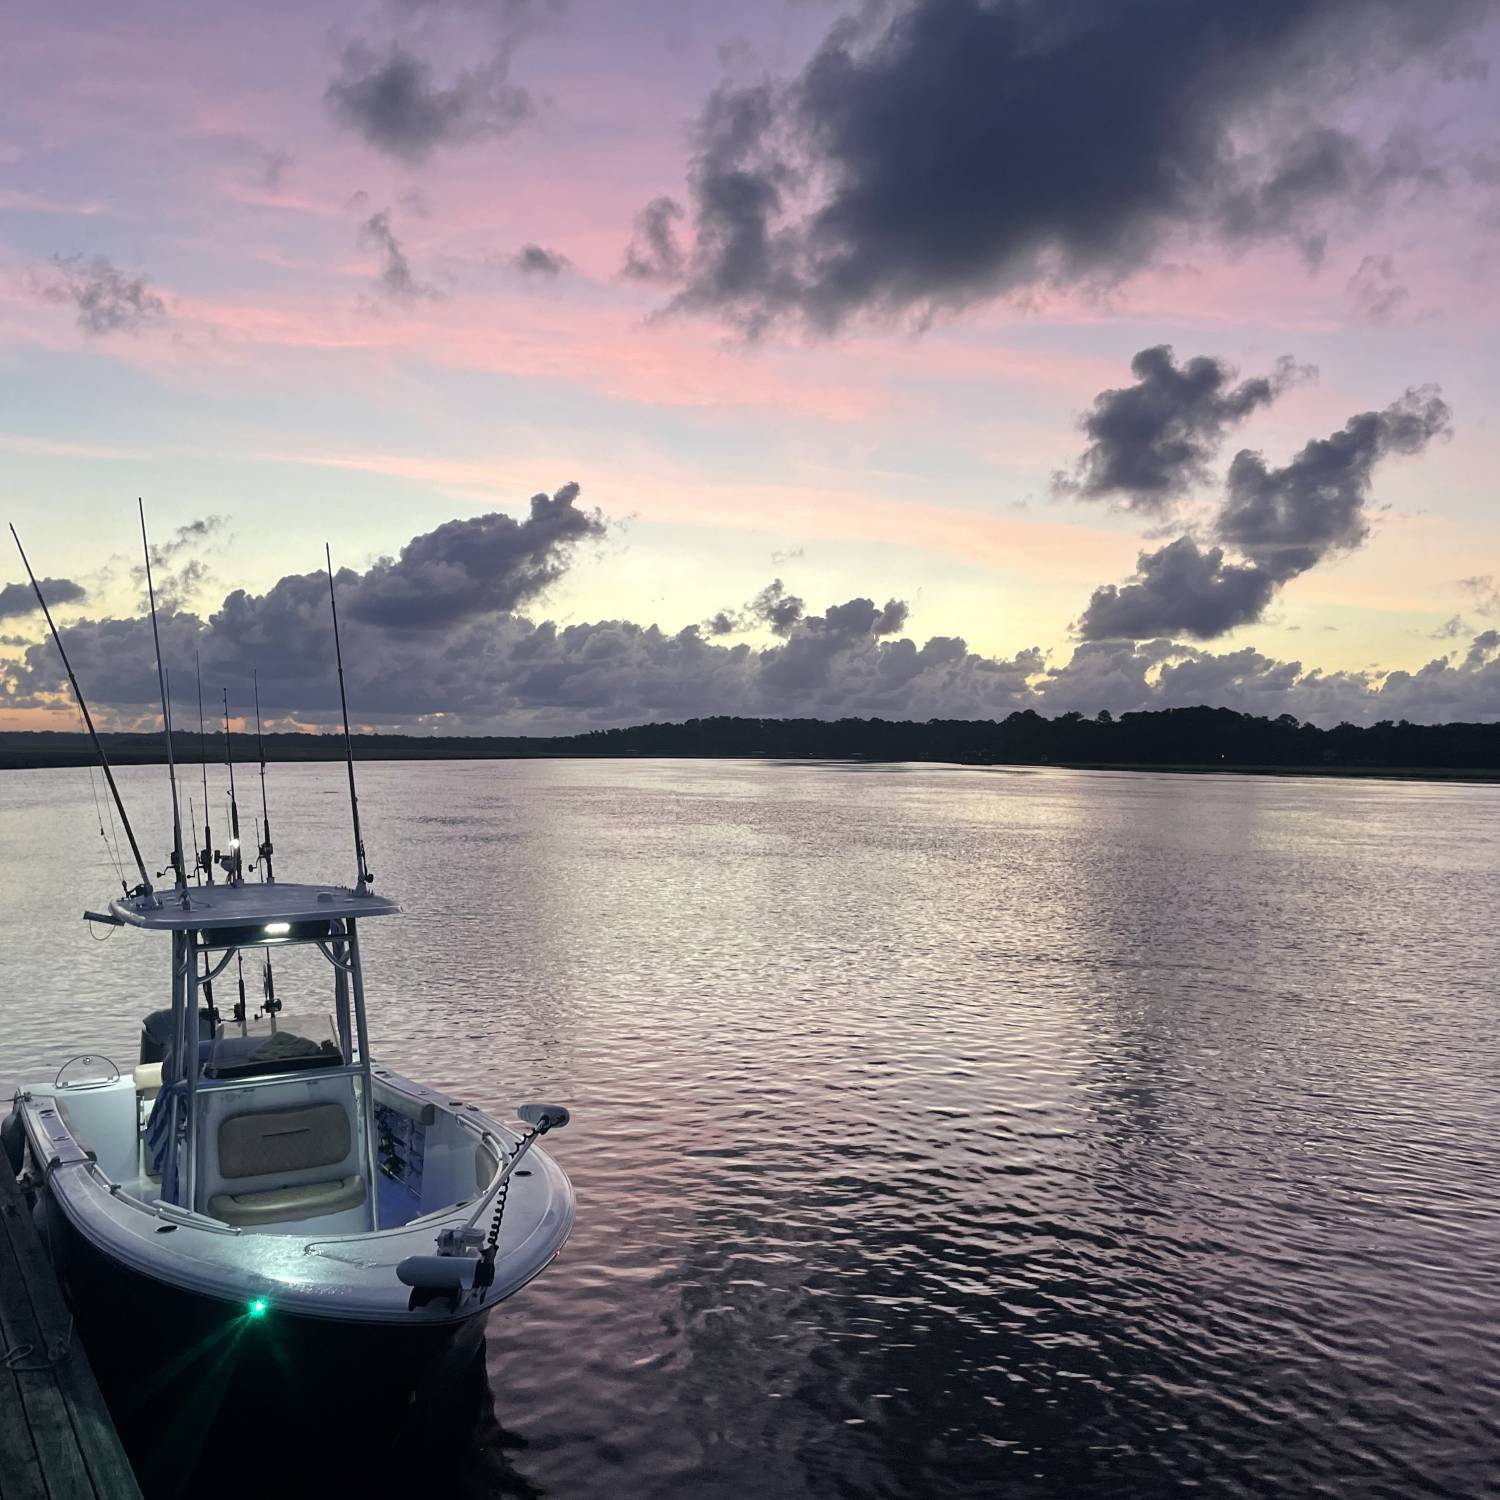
938 1132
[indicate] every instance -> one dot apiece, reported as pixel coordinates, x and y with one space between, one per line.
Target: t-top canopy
213 906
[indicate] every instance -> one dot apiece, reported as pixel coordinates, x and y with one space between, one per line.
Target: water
938 1132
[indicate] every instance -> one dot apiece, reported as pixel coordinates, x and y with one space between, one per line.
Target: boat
256 1203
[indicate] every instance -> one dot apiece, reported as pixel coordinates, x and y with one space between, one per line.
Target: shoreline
13 759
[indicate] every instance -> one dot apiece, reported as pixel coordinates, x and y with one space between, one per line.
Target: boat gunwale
300 1302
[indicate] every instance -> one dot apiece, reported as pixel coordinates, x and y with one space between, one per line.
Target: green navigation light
257 1307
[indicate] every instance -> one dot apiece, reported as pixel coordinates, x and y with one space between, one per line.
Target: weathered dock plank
57 1441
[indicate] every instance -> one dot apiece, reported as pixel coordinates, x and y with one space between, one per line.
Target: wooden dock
57 1441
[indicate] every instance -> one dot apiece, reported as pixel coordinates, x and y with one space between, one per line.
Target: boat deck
57 1441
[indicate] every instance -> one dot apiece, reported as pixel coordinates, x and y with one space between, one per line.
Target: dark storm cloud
534 260
393 99
478 566
1179 590
1283 521
1150 442
654 253
1287 519
19 599
460 571
395 278
107 300
956 149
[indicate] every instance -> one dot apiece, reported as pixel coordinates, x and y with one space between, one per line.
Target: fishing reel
231 862
269 1004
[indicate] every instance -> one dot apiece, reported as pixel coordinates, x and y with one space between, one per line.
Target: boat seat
309 1200
148 1080
279 1164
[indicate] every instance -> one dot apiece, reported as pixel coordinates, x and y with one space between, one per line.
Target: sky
931 358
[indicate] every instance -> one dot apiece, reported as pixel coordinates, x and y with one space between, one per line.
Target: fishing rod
145 888
233 862
363 888
206 853
240 1012
179 868
263 857
264 851
208 984
270 1004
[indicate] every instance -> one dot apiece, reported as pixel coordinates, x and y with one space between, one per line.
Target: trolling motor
465 1259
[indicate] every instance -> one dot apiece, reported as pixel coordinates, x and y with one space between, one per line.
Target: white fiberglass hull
328 1279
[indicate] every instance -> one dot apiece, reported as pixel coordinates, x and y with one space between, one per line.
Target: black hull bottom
211 1400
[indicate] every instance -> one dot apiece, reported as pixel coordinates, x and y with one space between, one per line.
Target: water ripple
944 1134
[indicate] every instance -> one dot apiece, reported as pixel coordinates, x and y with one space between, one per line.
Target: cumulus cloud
1126 675
507 673
394 101
784 613
892 617
1151 442
1179 589
950 150
478 566
1483 650
106 299
775 607
19 598
1287 519
534 260
395 277
1283 521
436 632
503 670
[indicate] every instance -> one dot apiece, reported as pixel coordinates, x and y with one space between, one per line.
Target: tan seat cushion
310 1200
283 1140
148 1080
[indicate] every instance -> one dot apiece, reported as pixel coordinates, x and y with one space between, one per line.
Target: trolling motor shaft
461 1265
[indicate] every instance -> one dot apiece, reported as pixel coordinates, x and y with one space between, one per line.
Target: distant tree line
1198 738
